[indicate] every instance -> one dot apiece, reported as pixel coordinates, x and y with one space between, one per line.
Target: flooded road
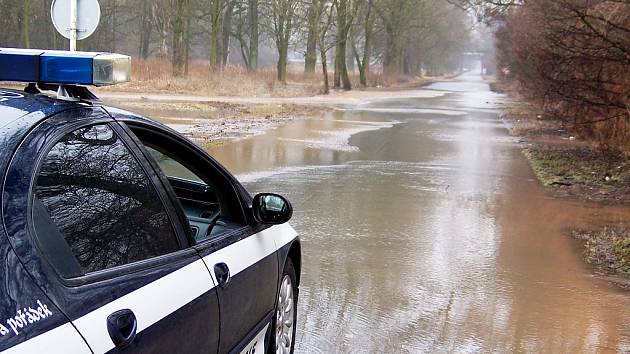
424 230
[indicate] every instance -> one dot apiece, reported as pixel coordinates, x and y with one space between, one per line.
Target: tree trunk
392 64
406 64
341 70
283 35
310 59
367 48
282 61
337 72
187 40
179 34
347 85
322 54
364 68
253 34
161 18
163 51
361 65
145 30
26 17
51 38
227 27
364 64
214 49
349 58
216 19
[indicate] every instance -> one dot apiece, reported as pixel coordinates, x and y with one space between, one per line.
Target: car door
241 259
104 241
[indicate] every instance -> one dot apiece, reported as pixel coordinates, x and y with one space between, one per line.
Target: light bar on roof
61 67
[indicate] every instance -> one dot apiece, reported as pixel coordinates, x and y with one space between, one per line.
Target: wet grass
608 249
583 173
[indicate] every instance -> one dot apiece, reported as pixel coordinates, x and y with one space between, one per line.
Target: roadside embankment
215 123
570 167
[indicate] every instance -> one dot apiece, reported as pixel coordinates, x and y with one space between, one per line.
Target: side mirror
271 208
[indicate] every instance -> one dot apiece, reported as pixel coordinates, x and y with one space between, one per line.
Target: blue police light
61 67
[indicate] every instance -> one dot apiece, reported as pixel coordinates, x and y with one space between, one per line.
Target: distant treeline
405 37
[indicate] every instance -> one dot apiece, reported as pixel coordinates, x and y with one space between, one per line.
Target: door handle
122 326
222 272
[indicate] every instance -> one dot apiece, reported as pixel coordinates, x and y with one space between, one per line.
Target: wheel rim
284 317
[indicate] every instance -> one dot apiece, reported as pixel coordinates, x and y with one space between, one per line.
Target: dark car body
174 298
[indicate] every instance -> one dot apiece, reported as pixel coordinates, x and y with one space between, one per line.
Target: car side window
95 208
171 167
207 198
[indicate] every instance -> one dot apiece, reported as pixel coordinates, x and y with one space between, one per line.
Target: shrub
572 57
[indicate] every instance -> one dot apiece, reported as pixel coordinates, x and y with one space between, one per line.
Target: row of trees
404 36
572 57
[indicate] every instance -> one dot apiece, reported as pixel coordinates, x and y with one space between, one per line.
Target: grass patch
607 249
582 172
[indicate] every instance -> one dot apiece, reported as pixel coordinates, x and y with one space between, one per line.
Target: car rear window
95 208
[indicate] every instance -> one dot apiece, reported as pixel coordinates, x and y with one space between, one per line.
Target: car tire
282 339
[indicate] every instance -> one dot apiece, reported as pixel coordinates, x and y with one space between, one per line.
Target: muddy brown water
424 230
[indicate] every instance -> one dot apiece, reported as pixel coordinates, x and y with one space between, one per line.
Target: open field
155 75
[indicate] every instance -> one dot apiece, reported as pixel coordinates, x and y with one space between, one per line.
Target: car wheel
283 335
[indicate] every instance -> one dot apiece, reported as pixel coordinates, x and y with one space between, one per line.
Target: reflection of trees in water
102 202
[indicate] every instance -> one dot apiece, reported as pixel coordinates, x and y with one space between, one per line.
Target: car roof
15 104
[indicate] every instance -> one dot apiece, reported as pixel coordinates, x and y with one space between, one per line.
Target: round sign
88 15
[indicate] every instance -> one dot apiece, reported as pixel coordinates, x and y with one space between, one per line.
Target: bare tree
26 17
182 13
252 16
571 58
324 15
395 16
217 13
226 30
344 22
281 14
310 58
245 31
162 12
487 10
145 29
364 28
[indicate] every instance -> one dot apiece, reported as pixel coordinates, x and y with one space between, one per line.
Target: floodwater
424 230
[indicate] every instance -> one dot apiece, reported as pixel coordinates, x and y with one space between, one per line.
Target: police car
120 235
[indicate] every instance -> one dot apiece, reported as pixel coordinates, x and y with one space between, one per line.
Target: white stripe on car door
247 252
61 340
166 295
